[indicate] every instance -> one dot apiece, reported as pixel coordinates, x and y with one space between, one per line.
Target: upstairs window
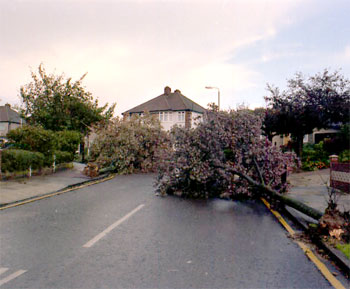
181 116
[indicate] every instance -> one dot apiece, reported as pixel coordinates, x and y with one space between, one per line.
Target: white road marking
111 227
12 276
3 270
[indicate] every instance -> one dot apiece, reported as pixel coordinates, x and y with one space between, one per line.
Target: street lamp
213 87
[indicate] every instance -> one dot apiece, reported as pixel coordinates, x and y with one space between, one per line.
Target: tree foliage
212 159
130 145
316 102
58 104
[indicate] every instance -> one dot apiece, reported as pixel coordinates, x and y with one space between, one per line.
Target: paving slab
311 188
24 188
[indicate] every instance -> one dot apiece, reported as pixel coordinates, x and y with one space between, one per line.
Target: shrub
344 156
315 157
45 141
63 157
67 140
34 139
21 160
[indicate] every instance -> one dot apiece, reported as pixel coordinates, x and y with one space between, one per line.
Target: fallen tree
226 156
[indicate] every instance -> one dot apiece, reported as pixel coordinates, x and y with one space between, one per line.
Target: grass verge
345 248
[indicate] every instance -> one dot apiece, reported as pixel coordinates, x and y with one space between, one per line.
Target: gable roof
172 101
7 114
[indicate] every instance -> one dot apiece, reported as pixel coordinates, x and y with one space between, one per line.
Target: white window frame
181 116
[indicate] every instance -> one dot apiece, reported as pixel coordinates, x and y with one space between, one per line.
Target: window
161 116
170 116
181 116
166 116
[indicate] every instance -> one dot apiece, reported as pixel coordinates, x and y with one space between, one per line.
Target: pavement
311 188
12 191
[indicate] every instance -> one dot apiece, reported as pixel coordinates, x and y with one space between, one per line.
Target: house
313 138
9 119
172 108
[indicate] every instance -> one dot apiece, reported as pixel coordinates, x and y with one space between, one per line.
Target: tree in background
316 102
57 104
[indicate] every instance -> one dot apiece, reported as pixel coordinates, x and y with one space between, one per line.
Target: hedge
20 160
47 142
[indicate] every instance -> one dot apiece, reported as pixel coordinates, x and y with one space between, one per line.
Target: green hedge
63 157
45 141
21 160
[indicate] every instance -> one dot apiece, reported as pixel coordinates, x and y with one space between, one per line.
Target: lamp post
213 87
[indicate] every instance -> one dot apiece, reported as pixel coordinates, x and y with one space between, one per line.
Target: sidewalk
311 189
19 189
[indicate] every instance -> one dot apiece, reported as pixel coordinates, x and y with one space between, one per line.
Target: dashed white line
111 227
12 276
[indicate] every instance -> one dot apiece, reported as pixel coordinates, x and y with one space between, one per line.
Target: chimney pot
167 90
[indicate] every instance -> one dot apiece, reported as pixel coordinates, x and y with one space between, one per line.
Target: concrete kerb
303 222
60 191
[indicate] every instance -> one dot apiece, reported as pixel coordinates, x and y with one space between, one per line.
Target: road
118 234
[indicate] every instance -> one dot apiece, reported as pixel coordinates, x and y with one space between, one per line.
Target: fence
340 175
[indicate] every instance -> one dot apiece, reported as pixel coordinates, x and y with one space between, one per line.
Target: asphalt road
118 234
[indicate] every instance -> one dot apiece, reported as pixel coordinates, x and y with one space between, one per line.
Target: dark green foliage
21 160
47 142
63 157
34 139
314 157
68 141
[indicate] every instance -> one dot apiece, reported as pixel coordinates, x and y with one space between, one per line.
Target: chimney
167 90
8 105
178 91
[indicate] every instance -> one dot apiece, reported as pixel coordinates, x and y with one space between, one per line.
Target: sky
131 50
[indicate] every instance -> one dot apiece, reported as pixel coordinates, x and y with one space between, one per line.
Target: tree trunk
299 140
82 150
301 207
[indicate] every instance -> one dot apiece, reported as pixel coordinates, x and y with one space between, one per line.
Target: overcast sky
131 50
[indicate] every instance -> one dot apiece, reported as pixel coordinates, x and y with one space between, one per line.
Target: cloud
132 49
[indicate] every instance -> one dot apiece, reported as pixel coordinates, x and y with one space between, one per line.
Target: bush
45 141
67 141
314 157
34 139
63 157
21 160
344 156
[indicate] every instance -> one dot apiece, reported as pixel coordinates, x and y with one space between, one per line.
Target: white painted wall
169 119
